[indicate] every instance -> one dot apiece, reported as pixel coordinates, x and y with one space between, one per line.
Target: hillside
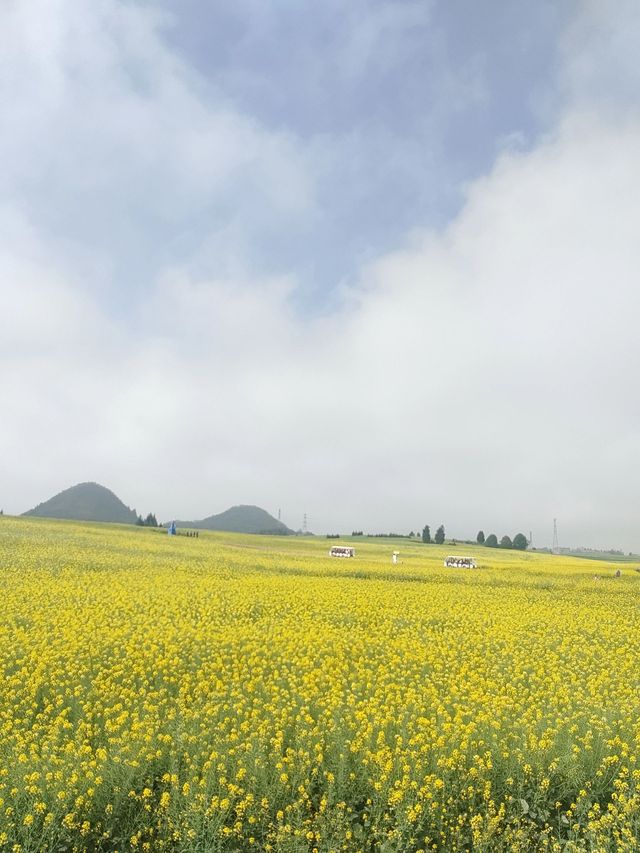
240 519
85 502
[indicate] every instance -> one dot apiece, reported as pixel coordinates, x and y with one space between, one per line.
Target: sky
374 262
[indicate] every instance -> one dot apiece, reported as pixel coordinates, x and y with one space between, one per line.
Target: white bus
342 551
453 562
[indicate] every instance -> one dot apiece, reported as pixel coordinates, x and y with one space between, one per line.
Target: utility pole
556 547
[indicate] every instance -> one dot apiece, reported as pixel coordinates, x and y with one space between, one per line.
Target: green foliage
439 537
520 542
491 541
506 542
426 534
480 537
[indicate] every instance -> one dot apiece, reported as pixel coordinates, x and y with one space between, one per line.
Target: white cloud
472 379
482 376
106 140
600 49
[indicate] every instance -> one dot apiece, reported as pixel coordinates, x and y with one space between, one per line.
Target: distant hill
85 502
241 519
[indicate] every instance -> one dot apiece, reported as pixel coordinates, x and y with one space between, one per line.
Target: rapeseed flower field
237 693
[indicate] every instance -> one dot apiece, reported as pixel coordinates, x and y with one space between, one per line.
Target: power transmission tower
556 547
304 523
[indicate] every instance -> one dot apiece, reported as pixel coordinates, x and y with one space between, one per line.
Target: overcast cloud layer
414 303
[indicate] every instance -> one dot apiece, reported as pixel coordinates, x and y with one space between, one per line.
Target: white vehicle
342 551
460 563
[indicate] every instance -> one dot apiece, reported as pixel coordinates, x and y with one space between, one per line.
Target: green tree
520 542
506 542
480 537
439 537
426 534
491 541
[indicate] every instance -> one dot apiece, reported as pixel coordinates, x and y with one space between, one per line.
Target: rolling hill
93 502
85 502
240 519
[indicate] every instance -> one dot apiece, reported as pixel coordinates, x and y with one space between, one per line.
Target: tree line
438 537
149 521
519 541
